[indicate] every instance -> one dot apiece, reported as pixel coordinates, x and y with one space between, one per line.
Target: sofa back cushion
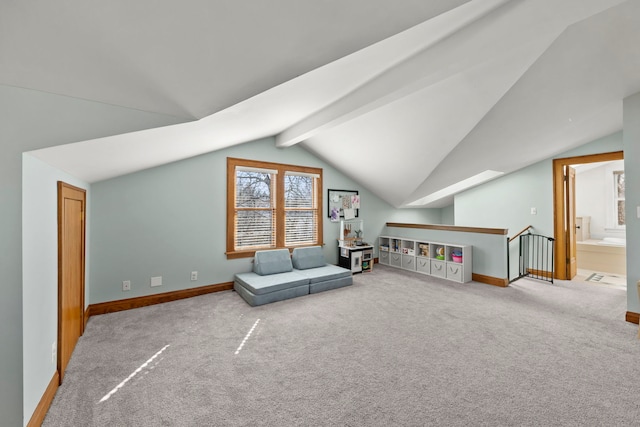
272 262
305 258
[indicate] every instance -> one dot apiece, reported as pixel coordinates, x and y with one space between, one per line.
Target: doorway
564 210
71 270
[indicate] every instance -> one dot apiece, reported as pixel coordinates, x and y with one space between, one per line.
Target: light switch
534 211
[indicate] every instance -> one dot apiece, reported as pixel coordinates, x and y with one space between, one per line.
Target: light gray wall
632 196
31 120
448 215
40 272
170 220
506 202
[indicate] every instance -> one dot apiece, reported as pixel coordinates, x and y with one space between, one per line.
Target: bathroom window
618 198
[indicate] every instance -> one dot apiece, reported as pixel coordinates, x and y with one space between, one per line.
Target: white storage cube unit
395 259
423 265
438 268
447 260
383 250
408 262
383 258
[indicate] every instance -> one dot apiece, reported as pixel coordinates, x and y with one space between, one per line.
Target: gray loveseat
277 275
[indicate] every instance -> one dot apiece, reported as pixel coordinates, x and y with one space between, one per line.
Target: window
618 198
272 205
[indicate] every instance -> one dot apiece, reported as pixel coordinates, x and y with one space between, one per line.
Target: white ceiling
422 94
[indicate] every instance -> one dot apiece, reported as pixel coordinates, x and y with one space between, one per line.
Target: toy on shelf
424 249
351 233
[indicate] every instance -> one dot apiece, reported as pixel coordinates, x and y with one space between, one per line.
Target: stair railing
509 240
536 257
527 228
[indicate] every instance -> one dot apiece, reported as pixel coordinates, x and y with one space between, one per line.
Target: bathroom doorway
565 208
600 223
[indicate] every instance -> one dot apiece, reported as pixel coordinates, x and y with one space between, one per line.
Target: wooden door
570 208
561 252
71 259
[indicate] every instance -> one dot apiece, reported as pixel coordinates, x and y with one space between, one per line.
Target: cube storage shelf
446 260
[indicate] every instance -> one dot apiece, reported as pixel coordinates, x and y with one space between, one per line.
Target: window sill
242 254
250 254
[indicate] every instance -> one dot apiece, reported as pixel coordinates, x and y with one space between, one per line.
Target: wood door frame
570 218
62 186
560 261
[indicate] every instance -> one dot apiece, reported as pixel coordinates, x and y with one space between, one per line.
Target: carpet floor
395 349
608 279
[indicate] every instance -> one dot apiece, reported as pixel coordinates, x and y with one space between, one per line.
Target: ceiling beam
403 78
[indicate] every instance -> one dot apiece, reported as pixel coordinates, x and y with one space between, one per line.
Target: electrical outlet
54 352
156 281
126 285
194 276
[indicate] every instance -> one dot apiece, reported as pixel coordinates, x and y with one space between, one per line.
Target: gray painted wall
171 220
31 120
506 202
632 196
40 272
448 215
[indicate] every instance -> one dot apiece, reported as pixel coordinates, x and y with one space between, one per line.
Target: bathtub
612 241
608 255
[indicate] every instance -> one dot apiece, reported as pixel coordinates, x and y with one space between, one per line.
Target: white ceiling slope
405 97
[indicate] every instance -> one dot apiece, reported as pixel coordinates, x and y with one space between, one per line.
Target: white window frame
612 199
617 199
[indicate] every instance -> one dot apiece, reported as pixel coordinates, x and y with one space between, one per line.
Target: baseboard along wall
489 280
130 303
43 406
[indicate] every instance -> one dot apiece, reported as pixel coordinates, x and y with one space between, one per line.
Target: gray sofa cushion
314 288
269 297
274 279
305 258
272 262
258 284
324 273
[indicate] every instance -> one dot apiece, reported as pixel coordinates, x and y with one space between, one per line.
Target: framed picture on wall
343 204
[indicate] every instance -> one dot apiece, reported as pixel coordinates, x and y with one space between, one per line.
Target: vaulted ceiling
408 98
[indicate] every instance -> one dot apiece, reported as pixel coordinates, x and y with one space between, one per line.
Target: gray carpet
395 349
